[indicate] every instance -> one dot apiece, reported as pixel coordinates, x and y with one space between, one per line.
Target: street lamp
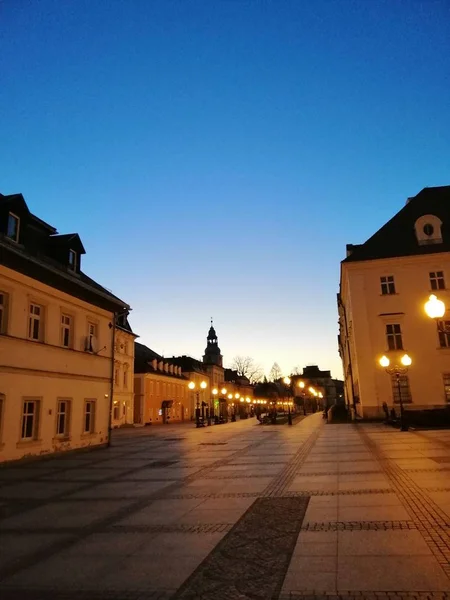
398 371
193 386
301 385
215 391
287 383
436 309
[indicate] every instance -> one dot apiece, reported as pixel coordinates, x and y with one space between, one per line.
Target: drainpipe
112 379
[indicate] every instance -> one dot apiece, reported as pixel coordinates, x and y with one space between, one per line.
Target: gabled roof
143 357
69 239
397 237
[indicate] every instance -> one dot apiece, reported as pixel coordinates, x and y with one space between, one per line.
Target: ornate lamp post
301 385
398 371
435 309
212 410
193 386
287 383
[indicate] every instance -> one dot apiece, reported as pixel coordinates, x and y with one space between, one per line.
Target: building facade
56 340
161 394
123 396
384 284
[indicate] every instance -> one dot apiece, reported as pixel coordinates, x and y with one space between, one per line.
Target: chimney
171 369
166 367
160 365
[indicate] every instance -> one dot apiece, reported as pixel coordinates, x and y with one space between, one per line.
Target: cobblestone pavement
236 511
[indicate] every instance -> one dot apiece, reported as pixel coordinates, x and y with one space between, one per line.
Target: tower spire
212 354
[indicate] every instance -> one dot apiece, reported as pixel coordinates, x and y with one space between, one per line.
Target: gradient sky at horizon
216 156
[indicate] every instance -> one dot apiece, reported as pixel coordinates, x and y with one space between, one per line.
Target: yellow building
123 396
161 394
56 340
384 284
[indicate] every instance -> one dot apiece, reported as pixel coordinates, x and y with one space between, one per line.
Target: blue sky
216 156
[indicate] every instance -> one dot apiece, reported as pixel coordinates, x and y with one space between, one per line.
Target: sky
216 156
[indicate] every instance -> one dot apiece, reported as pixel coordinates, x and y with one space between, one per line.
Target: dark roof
233 377
123 324
397 237
143 356
43 255
188 364
312 371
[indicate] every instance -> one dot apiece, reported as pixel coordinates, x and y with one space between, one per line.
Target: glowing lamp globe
384 361
434 308
406 360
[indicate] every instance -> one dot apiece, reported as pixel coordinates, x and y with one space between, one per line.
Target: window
35 322
387 285
116 411
12 231
394 337
446 378
62 418
91 337
405 391
125 379
444 334
89 416
437 281
72 260
116 377
428 229
3 311
66 330
30 420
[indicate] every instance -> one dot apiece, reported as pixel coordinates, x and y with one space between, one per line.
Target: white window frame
437 280
28 414
387 285
73 265
35 317
89 403
395 336
66 326
443 328
92 334
16 238
67 402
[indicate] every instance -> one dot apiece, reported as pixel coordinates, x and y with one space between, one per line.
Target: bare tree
246 367
275 372
296 370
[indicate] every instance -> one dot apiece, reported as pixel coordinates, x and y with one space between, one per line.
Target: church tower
212 354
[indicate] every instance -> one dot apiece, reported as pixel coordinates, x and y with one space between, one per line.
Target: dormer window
12 231
72 260
428 230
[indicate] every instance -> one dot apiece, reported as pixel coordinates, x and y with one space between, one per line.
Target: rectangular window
91 337
72 260
446 378
116 411
116 377
125 379
62 418
394 337
3 311
89 416
437 281
35 322
12 231
387 285
405 391
66 331
2 408
30 420
444 334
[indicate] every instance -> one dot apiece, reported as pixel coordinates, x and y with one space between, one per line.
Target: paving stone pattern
232 511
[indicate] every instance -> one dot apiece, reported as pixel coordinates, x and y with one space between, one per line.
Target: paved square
233 511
